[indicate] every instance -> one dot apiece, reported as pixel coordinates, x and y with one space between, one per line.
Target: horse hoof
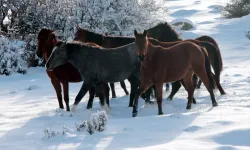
151 102
224 93
160 113
126 93
88 107
194 102
188 107
134 114
113 96
169 99
215 104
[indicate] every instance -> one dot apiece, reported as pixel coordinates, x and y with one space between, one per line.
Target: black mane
163 32
95 37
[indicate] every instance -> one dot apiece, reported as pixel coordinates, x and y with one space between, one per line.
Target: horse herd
147 61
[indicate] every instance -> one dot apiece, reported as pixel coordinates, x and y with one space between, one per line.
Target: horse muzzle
141 57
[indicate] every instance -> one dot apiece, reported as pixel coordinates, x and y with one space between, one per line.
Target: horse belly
175 74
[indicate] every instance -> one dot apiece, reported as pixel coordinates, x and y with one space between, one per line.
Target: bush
12 57
237 8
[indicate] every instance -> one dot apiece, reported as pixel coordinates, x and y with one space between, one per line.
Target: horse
62 74
98 65
106 41
165 33
99 39
213 55
160 65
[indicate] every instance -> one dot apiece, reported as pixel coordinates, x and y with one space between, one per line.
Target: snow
28 102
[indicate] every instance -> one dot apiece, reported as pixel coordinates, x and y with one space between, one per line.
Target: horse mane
167 30
43 31
92 36
79 45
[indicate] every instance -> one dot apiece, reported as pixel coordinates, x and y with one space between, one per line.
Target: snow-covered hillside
28 102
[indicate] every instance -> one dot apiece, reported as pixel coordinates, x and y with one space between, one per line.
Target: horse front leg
102 92
66 94
112 86
85 87
92 94
57 86
123 85
134 83
158 90
143 87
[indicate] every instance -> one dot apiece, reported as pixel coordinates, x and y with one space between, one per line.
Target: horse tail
208 69
217 58
206 38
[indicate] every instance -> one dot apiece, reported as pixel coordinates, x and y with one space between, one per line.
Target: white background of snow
24 114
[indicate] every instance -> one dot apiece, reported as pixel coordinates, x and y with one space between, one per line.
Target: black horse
98 65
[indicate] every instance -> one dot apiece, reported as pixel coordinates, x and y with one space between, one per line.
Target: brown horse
160 65
63 74
165 33
213 54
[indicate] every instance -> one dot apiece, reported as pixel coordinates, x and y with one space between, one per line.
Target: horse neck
113 41
95 38
150 51
77 55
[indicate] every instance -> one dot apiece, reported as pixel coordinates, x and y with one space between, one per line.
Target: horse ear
78 27
145 33
106 34
135 33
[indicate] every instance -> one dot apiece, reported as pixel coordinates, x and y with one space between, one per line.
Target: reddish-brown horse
161 65
213 54
165 33
63 74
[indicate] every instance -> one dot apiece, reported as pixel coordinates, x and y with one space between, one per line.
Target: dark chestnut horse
165 33
62 74
160 65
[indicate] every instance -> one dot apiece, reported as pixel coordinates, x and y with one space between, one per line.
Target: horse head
141 44
46 40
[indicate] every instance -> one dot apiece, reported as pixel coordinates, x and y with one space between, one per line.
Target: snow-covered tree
12 56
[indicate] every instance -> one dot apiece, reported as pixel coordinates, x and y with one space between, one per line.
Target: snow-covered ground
28 102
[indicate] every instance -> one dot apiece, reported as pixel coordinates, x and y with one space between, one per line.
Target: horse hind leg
57 86
199 84
217 81
202 74
175 88
66 94
188 82
123 85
